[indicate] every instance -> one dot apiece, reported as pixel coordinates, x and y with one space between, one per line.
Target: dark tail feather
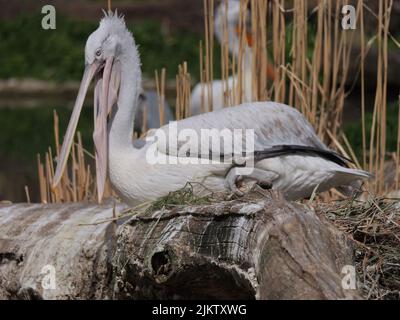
284 150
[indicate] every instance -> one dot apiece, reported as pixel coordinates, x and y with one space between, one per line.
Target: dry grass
374 225
78 182
161 94
183 90
179 198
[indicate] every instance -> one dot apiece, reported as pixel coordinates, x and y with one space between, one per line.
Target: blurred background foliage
29 51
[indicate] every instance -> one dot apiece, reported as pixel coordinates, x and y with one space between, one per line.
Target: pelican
230 14
148 102
288 156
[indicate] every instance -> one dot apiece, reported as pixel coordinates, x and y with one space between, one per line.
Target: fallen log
257 247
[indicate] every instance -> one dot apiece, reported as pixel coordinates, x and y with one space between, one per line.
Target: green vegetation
29 51
353 131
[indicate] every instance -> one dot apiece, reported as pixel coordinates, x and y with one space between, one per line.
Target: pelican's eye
98 52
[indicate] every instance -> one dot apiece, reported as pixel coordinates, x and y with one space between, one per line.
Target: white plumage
296 172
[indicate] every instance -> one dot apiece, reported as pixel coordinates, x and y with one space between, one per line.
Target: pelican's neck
121 126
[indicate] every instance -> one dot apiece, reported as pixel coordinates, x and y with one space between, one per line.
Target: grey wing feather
273 124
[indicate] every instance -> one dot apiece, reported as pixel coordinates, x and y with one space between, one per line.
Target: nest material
374 226
183 197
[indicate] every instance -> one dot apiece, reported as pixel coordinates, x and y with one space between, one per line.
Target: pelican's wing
271 124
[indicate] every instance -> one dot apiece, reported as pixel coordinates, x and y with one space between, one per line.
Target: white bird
229 14
289 156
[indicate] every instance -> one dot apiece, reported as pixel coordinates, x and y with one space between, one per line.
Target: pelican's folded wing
251 127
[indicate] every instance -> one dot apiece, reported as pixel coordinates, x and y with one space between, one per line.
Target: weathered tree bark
258 247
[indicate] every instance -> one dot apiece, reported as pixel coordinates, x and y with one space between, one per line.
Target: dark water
26 129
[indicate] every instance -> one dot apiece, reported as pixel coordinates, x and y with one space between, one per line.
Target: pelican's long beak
106 94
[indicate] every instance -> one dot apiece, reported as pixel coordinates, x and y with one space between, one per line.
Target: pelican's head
105 49
108 41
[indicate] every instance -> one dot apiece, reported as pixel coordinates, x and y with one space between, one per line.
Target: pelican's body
289 156
275 124
221 93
